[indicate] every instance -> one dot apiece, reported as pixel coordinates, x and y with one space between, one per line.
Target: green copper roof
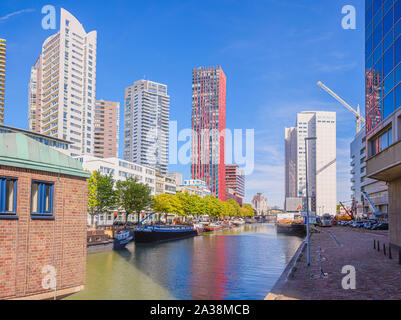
18 150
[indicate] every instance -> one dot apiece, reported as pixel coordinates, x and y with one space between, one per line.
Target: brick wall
27 245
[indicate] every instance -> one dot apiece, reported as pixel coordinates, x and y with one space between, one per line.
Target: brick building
43 208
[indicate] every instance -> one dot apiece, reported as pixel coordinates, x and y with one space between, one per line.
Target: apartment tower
146 124
67 84
2 78
208 125
35 96
106 136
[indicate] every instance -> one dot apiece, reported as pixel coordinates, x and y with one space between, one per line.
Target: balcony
386 165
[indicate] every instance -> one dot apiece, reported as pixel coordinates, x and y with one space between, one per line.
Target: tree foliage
102 197
133 196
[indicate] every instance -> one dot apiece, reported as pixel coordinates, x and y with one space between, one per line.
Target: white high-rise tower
322 164
68 85
146 124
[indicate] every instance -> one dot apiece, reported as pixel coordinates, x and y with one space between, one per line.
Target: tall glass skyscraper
208 125
383 107
383 56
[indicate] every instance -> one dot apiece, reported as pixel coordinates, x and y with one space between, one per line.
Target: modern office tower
68 85
35 96
259 203
235 180
322 166
106 136
2 78
377 191
322 161
383 104
291 156
146 124
208 128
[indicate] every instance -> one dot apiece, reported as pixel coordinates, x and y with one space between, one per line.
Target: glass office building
383 57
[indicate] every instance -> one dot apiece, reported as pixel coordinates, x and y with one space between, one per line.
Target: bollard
374 243
384 248
389 252
378 245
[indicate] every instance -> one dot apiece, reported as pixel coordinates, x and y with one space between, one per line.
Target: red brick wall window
8 196
42 198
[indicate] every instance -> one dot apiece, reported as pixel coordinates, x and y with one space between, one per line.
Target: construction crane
357 113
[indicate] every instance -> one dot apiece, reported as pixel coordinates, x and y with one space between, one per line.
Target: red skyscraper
208 125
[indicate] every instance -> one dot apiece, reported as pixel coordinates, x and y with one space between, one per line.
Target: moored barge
153 233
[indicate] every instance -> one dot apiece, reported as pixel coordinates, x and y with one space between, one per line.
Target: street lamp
307 199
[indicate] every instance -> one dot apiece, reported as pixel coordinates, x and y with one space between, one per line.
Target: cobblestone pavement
377 276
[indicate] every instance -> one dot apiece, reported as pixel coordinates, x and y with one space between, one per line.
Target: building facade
383 104
259 204
198 187
377 191
176 176
68 85
2 78
35 96
146 124
235 183
107 129
43 207
291 157
208 128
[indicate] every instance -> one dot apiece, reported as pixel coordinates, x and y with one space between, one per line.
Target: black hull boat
291 229
149 234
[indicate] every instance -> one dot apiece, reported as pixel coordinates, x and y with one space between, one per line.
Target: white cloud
6 17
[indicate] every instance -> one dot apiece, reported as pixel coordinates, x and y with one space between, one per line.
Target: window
8 195
42 198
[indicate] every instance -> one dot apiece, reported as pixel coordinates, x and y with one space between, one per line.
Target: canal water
241 263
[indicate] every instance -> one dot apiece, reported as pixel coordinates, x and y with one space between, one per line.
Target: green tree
134 197
247 210
167 203
190 203
215 207
236 208
102 197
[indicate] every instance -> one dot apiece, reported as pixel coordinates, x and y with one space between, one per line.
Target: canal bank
241 263
377 276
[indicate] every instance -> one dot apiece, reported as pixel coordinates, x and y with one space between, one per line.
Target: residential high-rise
208 128
235 180
146 124
2 78
106 136
35 96
383 104
68 85
322 165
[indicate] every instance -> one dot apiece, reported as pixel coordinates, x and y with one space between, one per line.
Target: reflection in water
242 263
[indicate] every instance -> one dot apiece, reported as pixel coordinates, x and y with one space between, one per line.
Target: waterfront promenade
377 276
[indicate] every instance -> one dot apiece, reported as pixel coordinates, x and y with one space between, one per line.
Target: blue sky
272 51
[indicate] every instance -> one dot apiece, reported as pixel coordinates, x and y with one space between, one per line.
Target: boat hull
162 236
291 229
